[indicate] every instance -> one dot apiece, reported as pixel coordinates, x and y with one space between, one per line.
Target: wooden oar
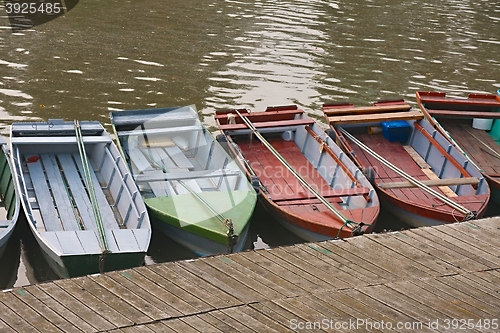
280 158
491 151
468 214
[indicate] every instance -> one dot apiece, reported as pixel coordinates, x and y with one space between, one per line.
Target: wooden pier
439 279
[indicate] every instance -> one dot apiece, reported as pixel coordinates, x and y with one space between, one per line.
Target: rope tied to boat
466 212
87 177
280 158
226 222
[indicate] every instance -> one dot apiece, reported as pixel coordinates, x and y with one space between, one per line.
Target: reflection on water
112 55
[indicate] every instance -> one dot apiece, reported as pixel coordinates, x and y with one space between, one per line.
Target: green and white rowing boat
195 192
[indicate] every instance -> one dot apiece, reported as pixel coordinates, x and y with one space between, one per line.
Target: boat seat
432 182
464 114
158 176
342 110
326 194
375 118
278 123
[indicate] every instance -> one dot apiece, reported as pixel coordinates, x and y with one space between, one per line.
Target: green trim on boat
186 211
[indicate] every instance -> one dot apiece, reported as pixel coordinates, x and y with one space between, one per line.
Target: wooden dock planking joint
418 276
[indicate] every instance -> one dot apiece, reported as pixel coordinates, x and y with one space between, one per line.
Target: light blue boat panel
179 158
140 161
160 157
126 240
70 243
89 241
60 193
110 238
43 197
78 191
142 237
50 237
108 217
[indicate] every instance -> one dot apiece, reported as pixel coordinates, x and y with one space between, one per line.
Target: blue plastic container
396 130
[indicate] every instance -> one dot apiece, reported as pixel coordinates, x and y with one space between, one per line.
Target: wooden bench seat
157 176
375 118
464 114
432 182
326 194
350 110
267 124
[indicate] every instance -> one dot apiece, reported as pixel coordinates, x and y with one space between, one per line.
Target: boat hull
186 221
61 207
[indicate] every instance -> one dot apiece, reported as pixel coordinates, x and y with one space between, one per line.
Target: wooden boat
418 174
196 193
80 201
9 200
456 118
310 186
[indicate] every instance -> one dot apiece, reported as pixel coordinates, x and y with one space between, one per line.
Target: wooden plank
179 158
189 291
225 265
121 289
113 300
201 325
228 283
358 265
125 240
330 262
224 298
416 157
194 299
298 282
305 265
270 323
139 160
59 193
43 197
78 191
432 182
445 189
213 318
11 318
443 289
432 301
375 118
333 110
404 303
141 281
94 303
160 157
439 251
178 326
248 321
291 289
434 265
235 325
463 248
467 114
76 306
108 217
268 124
157 176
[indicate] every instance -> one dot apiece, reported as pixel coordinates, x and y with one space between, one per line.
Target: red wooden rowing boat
455 118
314 156
419 175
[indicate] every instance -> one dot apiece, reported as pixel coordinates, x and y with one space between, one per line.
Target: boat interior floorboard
480 154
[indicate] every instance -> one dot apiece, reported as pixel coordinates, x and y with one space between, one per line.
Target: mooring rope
91 192
322 199
468 214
